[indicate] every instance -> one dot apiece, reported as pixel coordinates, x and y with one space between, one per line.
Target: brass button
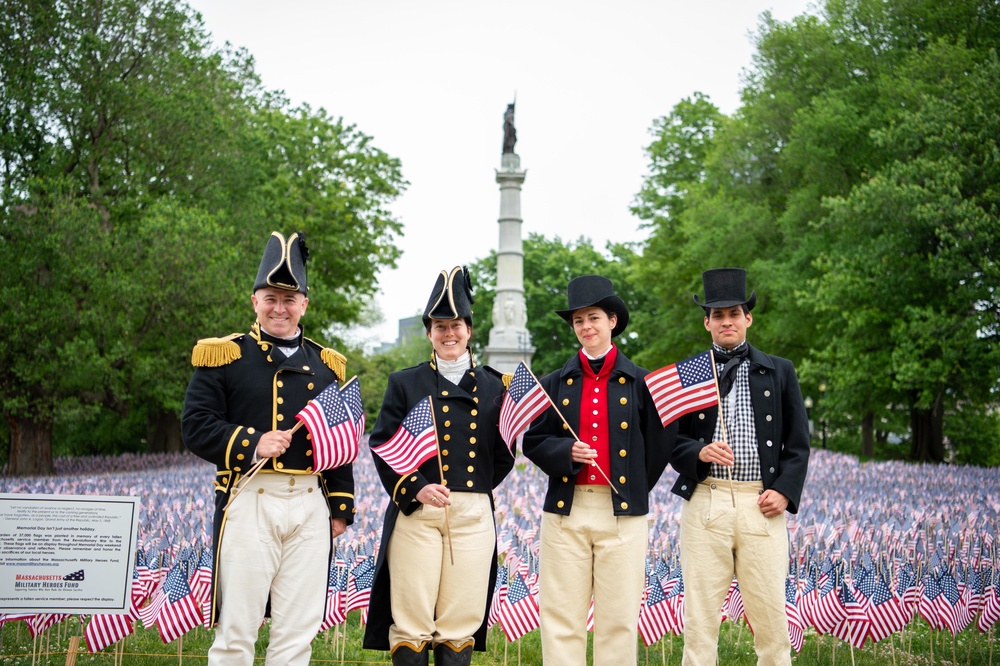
239 456
265 346
622 453
560 504
472 426
309 490
250 431
246 442
260 491
309 469
291 481
238 469
621 380
309 437
444 393
447 424
402 491
565 401
281 401
475 412
444 482
565 426
469 484
343 507
624 425
621 479
625 505
444 452
472 440
475 400
413 478
310 386
280 417
445 409
447 438
565 479
569 382
280 383
624 401
309 452
472 454
445 468
471 469
269 358
280 465
306 367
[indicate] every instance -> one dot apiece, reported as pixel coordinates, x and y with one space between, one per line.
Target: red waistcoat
593 428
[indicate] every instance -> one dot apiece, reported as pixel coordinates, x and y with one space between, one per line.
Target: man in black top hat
761 438
239 408
602 461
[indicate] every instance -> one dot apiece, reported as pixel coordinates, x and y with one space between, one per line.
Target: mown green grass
917 645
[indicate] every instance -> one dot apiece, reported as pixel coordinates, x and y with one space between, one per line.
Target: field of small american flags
890 563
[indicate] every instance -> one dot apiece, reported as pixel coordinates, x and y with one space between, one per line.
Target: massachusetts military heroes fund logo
49 581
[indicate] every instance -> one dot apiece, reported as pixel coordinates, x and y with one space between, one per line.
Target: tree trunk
163 433
868 434
30 447
927 431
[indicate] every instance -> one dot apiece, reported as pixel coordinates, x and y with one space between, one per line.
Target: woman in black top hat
601 465
420 600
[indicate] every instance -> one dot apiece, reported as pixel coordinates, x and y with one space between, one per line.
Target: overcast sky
430 81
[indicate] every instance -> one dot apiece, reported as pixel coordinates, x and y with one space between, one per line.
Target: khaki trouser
277 542
718 541
432 599
591 552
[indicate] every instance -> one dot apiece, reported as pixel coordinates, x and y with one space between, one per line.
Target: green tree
142 171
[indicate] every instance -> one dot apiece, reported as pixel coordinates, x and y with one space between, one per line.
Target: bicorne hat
451 297
283 265
724 288
594 291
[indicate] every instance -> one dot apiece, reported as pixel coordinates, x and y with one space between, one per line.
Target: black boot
445 654
404 655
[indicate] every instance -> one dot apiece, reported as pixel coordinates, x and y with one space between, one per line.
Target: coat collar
623 367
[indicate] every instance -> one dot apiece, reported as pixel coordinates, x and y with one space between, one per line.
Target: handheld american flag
334 434
523 402
414 442
351 393
683 387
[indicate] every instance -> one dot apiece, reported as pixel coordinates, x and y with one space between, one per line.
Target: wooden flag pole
241 484
437 446
722 421
570 428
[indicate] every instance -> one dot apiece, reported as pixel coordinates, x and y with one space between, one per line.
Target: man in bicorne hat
602 461
762 440
239 408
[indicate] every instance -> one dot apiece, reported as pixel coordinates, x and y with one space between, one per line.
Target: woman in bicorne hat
601 462
420 601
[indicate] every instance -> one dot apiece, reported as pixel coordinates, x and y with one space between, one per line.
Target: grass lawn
916 645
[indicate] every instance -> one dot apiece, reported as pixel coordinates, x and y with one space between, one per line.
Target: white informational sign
66 553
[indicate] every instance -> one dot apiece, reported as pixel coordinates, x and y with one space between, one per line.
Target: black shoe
404 655
445 654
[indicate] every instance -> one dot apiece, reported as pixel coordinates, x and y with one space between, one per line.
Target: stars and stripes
519 613
524 401
334 433
683 387
414 442
180 611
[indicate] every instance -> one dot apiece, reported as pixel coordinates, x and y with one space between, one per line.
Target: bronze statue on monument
509 133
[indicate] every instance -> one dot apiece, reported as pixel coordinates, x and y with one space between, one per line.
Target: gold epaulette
335 361
506 378
215 352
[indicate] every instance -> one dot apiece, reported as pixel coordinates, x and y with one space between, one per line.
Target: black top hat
724 288
594 291
451 297
283 265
